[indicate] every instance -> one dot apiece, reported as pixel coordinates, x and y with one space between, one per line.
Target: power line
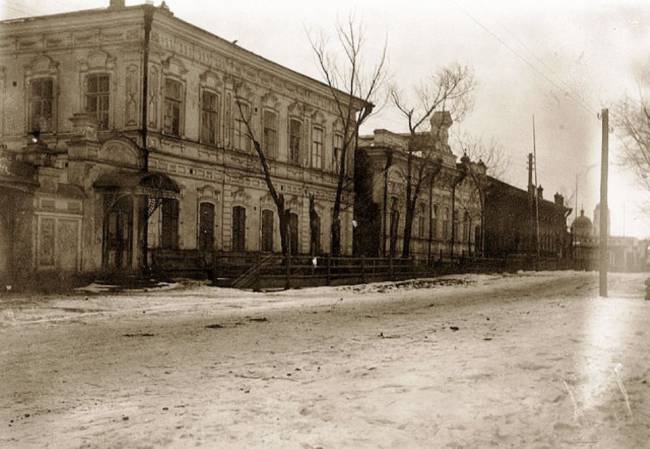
532 66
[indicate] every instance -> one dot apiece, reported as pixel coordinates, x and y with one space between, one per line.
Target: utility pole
531 192
604 232
536 197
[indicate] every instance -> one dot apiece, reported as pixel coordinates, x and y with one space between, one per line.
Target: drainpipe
148 19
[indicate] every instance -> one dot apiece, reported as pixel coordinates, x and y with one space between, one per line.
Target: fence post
363 269
329 270
390 266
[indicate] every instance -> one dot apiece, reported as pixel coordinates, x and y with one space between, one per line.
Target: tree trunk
408 228
335 250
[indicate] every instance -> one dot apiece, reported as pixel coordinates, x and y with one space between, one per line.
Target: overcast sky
560 60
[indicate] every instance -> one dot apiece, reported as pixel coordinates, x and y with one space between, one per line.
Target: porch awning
143 182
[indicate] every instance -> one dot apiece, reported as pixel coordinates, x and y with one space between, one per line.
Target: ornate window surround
318 121
173 68
98 62
42 66
271 103
210 81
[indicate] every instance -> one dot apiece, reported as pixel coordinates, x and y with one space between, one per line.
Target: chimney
559 199
440 123
540 192
116 4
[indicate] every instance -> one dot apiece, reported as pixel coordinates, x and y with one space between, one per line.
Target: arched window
337 150
206 226
434 221
421 221
466 226
242 114
295 139
267 230
317 147
209 117
239 229
270 142
293 232
445 224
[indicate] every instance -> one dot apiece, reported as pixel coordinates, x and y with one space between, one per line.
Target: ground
530 360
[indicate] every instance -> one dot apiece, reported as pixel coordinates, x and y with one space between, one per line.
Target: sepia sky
561 61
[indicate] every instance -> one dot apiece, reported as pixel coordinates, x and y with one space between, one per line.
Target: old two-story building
514 224
447 218
120 135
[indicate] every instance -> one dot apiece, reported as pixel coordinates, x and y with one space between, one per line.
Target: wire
532 66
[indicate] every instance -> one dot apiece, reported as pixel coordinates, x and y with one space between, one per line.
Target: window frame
295 153
270 150
239 131
179 102
210 136
51 120
336 158
317 146
98 94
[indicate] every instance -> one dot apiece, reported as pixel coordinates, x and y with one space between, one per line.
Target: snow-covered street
468 361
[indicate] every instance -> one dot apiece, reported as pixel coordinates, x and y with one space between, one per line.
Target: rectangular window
241 140
317 147
336 153
98 98
270 134
295 129
209 117
173 107
42 101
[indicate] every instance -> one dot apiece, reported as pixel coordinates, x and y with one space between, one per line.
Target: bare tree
278 197
632 120
355 86
449 90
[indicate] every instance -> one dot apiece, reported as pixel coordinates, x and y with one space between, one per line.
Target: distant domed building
582 227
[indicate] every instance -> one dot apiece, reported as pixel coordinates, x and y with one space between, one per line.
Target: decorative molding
132 101
121 152
174 65
41 65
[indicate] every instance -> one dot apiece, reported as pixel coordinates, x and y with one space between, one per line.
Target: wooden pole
536 197
604 231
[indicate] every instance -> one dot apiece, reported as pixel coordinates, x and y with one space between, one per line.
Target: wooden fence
259 270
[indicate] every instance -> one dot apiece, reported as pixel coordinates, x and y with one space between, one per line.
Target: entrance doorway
118 234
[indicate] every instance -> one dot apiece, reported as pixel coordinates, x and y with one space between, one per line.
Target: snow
462 361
